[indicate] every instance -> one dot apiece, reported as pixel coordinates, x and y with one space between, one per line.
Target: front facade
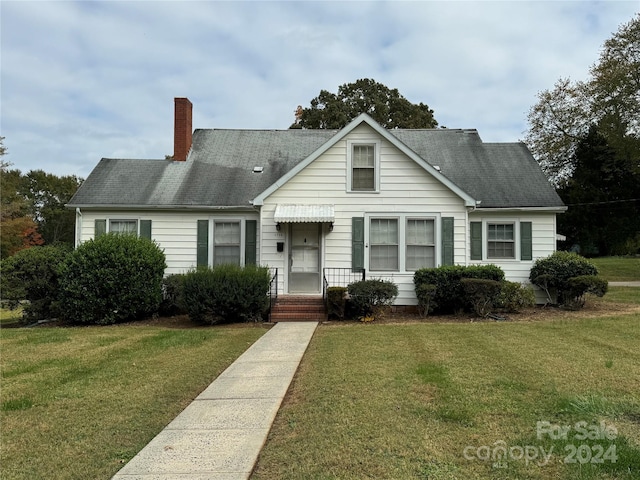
324 206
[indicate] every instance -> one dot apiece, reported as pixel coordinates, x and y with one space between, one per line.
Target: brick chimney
182 133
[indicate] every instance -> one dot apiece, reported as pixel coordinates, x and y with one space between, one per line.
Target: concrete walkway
220 434
624 284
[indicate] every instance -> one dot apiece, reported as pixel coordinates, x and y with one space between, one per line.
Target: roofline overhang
364 118
558 209
213 208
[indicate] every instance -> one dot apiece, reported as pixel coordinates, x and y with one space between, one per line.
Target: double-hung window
226 243
124 226
384 243
420 242
501 240
363 164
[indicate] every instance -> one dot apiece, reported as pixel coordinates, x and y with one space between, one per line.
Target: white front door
304 258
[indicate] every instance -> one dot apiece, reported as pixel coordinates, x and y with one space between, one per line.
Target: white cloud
85 80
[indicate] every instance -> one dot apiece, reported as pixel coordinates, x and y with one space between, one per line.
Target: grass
8 316
430 400
81 402
618 269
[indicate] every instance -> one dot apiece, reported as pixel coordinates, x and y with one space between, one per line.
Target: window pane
363 179
363 156
501 250
226 254
420 257
226 233
384 231
124 226
384 257
420 232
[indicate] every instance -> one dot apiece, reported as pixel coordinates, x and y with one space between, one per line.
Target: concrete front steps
297 308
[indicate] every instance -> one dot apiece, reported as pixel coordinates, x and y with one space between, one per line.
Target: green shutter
476 240
145 229
202 249
357 243
100 227
250 242
447 240
526 241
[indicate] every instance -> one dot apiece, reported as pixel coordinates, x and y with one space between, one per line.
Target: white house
322 204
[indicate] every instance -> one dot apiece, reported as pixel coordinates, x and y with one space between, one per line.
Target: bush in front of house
172 295
449 295
227 293
369 298
514 297
425 293
32 275
481 294
554 275
336 302
112 279
578 287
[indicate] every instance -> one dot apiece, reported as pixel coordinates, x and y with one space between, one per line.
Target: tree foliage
608 99
386 106
33 208
603 216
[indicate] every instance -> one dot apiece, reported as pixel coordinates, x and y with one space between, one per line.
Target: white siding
175 232
405 188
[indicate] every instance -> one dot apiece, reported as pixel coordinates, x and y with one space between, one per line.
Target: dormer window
363 166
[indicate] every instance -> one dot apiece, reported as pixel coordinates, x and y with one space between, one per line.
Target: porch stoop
296 308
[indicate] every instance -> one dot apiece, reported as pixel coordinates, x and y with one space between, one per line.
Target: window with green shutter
447 240
100 227
250 242
526 241
357 243
476 240
145 229
202 247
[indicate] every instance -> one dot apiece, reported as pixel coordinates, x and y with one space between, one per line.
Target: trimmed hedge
33 275
227 293
336 301
425 292
514 297
111 279
481 294
172 295
449 296
554 275
369 297
578 287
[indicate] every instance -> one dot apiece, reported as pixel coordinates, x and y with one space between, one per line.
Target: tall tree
47 195
602 195
386 106
17 228
609 98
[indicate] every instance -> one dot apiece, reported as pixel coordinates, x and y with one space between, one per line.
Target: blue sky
82 80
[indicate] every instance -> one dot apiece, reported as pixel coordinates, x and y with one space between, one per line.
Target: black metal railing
340 277
273 289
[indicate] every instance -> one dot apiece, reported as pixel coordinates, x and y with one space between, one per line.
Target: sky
83 80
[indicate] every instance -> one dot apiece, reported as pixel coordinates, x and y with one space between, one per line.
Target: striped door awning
296 213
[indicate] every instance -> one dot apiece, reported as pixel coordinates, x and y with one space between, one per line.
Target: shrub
227 293
514 297
370 297
552 274
336 301
33 275
449 295
425 292
172 295
578 287
481 294
111 279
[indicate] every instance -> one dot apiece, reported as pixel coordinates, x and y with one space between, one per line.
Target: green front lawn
78 403
430 400
618 269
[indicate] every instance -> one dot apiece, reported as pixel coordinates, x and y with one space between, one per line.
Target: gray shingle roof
219 170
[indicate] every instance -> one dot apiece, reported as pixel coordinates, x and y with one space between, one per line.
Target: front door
304 258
